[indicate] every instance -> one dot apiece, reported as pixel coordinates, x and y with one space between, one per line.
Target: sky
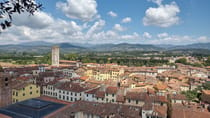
174 22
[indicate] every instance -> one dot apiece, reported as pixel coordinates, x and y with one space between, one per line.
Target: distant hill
67 45
45 47
125 47
36 43
193 46
39 47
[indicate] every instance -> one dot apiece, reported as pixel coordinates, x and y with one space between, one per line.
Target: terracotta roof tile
111 90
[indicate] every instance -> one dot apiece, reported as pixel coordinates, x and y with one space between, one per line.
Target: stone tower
5 89
55 56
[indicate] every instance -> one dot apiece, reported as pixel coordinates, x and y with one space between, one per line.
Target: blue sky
115 21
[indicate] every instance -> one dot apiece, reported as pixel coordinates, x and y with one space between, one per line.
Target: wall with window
26 92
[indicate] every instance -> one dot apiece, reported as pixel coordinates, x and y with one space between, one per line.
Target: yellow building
24 91
104 73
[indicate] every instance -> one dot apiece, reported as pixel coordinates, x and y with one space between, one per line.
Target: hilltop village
71 89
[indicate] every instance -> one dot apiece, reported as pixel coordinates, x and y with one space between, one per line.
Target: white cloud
98 25
41 26
118 27
147 35
84 10
163 15
126 20
131 36
54 30
38 20
165 38
158 2
112 14
203 39
162 35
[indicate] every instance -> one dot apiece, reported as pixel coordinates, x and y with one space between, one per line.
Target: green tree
1 69
181 60
207 63
206 85
10 7
191 95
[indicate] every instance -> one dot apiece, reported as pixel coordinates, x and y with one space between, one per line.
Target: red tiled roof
178 97
161 110
100 109
205 97
67 61
93 91
74 87
84 78
135 96
4 116
111 90
100 94
207 92
180 111
160 86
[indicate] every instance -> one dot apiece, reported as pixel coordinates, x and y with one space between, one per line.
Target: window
23 94
129 100
137 101
87 95
6 79
112 100
16 93
37 91
6 84
30 87
30 93
112 95
23 88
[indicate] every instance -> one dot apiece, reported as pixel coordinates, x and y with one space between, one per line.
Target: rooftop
101 110
32 108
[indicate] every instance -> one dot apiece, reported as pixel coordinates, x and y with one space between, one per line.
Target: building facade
24 92
5 89
55 56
